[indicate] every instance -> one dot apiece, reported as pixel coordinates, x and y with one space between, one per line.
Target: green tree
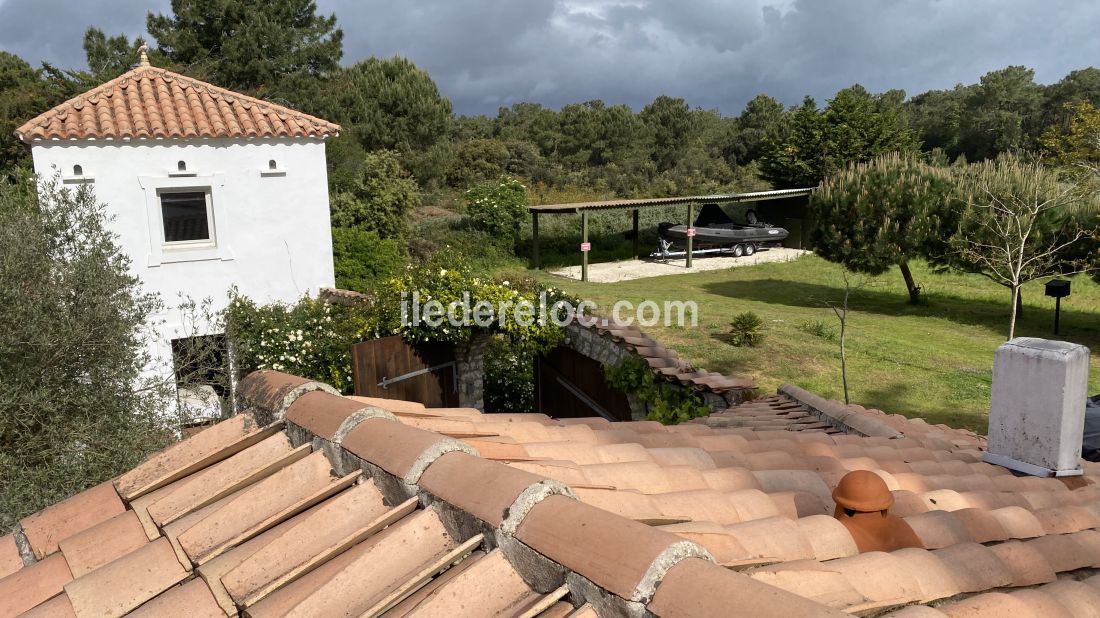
1016 224
1077 147
888 211
796 159
381 200
74 409
248 45
476 160
1000 114
109 57
759 123
669 120
935 116
855 127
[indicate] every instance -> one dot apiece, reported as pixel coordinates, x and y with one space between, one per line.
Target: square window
186 216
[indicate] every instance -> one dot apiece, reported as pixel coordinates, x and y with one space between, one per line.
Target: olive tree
872 216
74 409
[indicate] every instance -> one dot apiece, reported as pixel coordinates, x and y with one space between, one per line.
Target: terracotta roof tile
934 579
10 559
1026 564
491 580
615 554
1061 552
476 485
45 529
226 477
938 529
813 580
396 448
1041 603
393 558
337 524
695 588
1078 598
57 607
194 595
264 504
827 536
33 584
152 102
102 543
204 449
117 588
975 567
988 604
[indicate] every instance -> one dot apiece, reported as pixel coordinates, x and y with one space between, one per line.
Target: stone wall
470 371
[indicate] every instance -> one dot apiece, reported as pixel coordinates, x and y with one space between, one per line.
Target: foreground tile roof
152 103
308 503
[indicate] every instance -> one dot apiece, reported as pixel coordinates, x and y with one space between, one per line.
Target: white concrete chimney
1037 412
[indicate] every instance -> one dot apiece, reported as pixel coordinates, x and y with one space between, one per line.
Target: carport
798 196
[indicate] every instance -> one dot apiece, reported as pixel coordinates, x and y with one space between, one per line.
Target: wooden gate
571 385
394 369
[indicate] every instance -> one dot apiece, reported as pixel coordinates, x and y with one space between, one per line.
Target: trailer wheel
750 249
738 250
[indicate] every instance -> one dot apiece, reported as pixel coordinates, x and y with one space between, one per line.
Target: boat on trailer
715 232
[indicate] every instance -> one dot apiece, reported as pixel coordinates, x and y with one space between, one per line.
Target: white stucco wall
272 234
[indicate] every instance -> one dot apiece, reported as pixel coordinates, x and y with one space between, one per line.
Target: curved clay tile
933 577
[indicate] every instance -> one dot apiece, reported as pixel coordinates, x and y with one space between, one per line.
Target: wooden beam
635 217
584 245
535 239
690 238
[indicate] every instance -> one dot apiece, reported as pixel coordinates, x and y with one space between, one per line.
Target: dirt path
610 272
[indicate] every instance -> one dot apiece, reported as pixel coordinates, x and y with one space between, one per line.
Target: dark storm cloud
487 53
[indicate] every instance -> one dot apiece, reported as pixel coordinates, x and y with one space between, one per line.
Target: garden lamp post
1057 288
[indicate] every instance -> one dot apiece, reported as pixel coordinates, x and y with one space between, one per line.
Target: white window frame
211 228
163 252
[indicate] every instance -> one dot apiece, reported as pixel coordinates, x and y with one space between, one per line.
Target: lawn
933 360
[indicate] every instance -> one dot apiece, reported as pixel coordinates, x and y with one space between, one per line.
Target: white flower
504 283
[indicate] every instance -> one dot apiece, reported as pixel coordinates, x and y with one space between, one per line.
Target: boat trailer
665 251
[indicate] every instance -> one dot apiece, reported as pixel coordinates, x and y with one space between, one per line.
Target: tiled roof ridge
304 125
665 362
839 415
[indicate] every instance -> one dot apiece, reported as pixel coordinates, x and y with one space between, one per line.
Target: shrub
380 200
746 329
363 259
819 328
497 207
509 376
311 338
665 403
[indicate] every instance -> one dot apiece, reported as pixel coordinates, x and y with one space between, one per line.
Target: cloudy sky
715 53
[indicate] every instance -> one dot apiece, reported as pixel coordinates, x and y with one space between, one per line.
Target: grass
932 360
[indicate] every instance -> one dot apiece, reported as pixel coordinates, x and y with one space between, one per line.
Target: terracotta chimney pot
863 491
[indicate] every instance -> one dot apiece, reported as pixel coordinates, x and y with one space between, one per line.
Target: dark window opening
78 171
181 166
202 360
271 164
185 216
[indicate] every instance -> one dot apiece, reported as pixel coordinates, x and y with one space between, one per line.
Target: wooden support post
535 239
690 238
584 245
635 217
